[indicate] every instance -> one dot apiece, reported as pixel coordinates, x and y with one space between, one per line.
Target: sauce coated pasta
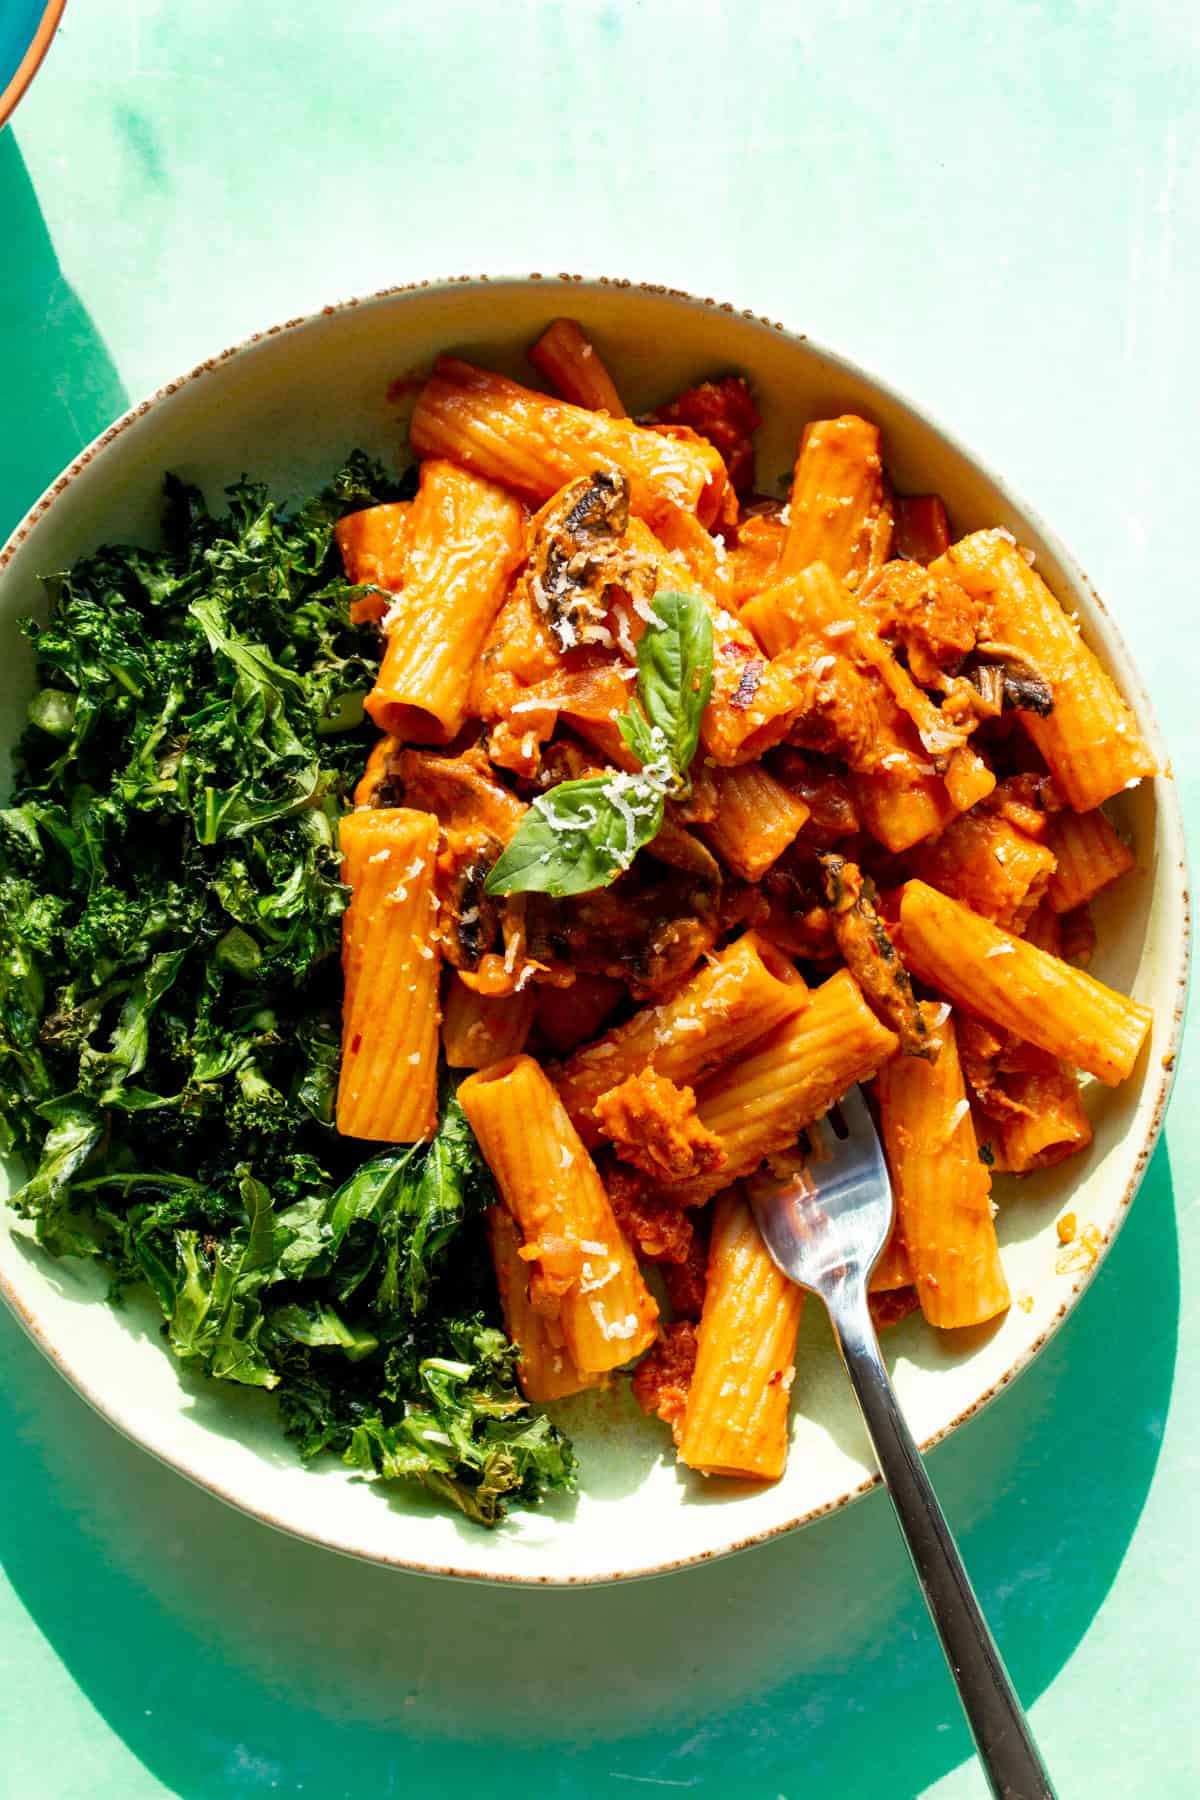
691 808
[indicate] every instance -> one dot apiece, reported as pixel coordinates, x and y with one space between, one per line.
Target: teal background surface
995 208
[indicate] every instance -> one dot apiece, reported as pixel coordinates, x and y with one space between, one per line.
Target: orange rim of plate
32 60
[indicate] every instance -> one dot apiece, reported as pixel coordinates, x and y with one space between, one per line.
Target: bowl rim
1161 1078
31 61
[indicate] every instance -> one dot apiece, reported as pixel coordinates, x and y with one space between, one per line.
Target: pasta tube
989 865
550 1185
1090 741
387 1090
756 819
1023 990
478 1029
811 621
736 1422
529 442
568 360
1089 854
544 1366
942 1190
837 512
760 1104
746 990
465 538
373 545
922 531
1053 1124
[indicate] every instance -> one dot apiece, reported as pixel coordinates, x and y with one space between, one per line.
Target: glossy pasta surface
693 808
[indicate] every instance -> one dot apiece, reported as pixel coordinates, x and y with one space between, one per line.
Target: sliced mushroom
579 553
871 956
1025 687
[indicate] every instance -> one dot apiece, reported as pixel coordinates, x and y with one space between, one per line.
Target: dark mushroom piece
871 956
579 554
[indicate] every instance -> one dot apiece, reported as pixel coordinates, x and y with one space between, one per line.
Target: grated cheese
999 950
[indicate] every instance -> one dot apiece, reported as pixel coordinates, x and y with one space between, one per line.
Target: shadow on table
60 387
230 1659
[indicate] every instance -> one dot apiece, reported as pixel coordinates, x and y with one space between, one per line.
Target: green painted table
996 208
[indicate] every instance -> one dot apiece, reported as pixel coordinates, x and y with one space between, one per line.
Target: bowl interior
285 408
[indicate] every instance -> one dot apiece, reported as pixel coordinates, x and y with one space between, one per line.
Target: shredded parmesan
999 950
939 1015
624 1328
415 1058
624 633
822 666
426 952
956 1117
785 514
839 628
379 856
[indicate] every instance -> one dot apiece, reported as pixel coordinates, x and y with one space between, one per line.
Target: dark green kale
170 989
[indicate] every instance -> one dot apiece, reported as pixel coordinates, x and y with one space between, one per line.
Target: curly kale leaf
170 918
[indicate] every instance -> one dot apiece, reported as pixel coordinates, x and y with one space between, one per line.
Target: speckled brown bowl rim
1163 1075
32 60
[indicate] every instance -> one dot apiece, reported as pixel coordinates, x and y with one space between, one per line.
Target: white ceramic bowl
284 407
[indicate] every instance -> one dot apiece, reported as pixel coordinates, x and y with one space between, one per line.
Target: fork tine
858 1120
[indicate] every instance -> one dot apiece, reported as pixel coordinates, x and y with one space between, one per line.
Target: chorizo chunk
652 1124
663 1378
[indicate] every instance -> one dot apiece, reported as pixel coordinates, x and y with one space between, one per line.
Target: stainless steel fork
825 1219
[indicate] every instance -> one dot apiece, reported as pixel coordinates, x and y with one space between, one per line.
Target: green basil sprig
583 834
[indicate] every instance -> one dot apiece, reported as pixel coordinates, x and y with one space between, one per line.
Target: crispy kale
170 917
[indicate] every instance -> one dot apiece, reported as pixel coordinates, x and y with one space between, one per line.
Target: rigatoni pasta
737 997
736 1422
545 1367
709 782
585 1271
1088 854
535 445
1023 990
464 538
942 1189
1089 738
478 1029
391 967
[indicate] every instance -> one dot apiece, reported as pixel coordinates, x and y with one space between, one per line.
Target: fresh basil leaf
636 731
674 660
580 836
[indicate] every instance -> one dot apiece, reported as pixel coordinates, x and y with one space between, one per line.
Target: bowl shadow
812 1651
